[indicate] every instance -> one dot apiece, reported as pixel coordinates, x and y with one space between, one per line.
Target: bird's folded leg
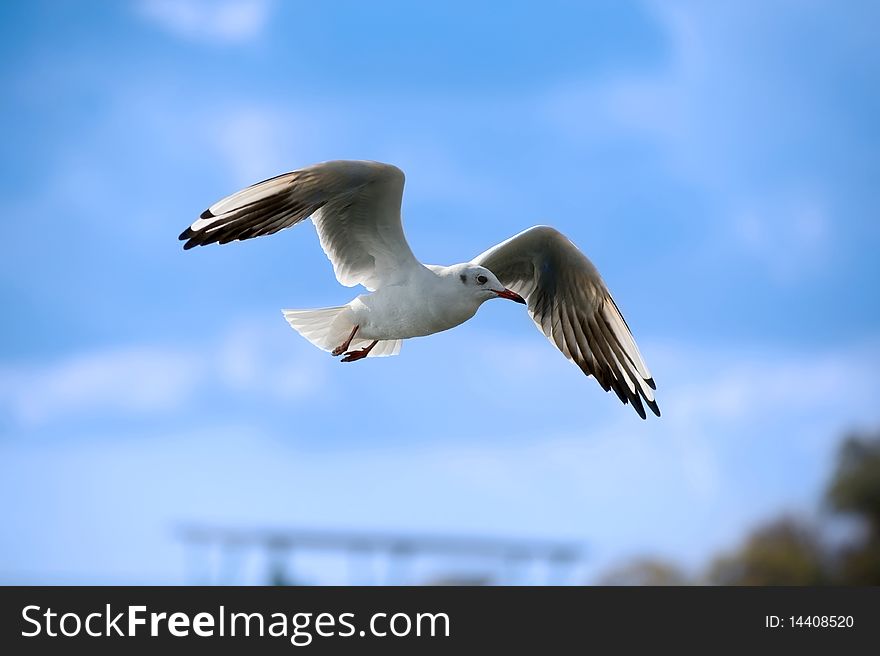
342 348
361 354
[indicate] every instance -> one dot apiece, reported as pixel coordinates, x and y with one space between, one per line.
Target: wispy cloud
666 104
131 380
154 380
256 142
790 240
722 127
223 21
713 399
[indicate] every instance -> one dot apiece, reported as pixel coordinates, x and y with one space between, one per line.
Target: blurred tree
855 490
790 552
855 487
783 552
645 571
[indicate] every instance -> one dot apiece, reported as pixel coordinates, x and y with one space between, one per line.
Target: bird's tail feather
327 328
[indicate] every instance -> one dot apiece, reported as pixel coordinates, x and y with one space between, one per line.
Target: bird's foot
360 354
342 348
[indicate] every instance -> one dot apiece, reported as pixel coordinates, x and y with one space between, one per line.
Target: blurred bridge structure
229 556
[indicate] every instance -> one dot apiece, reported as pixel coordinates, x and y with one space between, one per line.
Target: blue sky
717 161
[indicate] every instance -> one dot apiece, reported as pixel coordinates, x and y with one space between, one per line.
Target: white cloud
254 142
790 239
149 379
746 387
246 361
132 380
225 21
712 400
667 104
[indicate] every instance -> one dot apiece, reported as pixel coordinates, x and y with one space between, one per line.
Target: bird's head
483 285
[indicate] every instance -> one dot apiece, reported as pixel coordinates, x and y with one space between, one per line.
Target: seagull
355 207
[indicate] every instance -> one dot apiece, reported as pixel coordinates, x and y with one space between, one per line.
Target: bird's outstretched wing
354 205
571 305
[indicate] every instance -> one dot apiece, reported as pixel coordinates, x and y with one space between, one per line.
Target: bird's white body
355 207
429 301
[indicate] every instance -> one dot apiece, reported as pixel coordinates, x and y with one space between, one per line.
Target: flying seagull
355 206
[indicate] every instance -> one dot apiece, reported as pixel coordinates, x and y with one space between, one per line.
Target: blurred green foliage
791 551
855 490
855 487
783 552
645 571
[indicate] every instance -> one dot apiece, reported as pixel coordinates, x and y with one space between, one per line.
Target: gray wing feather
570 304
355 206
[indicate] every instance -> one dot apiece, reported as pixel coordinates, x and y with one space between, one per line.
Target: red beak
513 296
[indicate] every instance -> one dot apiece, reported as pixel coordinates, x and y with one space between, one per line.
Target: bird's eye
482 280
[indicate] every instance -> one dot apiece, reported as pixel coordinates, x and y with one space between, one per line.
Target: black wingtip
654 407
651 383
189 236
189 233
619 392
637 406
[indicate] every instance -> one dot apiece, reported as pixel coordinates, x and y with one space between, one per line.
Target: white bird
355 207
